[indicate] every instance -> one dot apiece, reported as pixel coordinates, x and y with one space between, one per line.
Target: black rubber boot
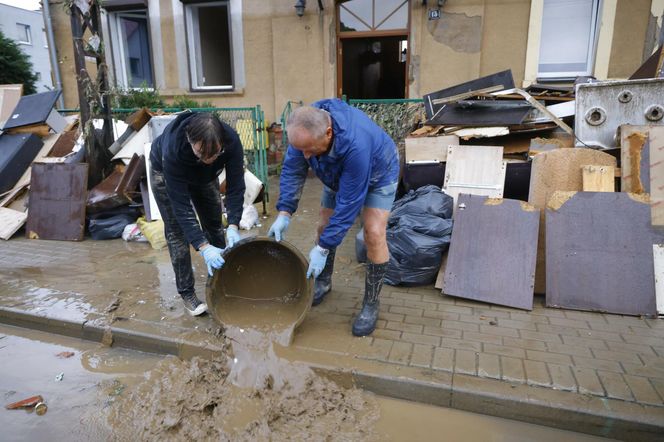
323 283
365 323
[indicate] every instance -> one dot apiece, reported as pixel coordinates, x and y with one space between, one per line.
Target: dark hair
206 128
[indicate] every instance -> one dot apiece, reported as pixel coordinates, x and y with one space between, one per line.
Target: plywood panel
634 159
599 252
476 170
656 141
429 148
58 192
10 94
658 261
493 251
10 222
599 178
554 170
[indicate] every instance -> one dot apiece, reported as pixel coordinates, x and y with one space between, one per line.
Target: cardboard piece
10 221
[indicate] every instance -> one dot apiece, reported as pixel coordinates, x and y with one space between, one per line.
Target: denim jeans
206 202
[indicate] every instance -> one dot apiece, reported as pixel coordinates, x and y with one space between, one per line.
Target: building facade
247 52
27 29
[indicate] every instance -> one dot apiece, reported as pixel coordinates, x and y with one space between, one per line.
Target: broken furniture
16 154
36 113
559 169
493 251
599 252
118 189
425 159
58 193
603 107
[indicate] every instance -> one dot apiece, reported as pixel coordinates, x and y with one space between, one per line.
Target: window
567 45
373 15
38 74
45 38
131 49
209 40
23 34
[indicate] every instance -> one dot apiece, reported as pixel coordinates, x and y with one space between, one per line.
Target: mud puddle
91 377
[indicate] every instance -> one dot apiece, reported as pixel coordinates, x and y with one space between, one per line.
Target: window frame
591 55
118 49
28 34
191 31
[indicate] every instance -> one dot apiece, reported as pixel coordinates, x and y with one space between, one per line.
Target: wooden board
493 251
658 261
599 178
58 192
429 148
10 222
634 159
599 252
656 141
554 170
441 273
10 94
476 170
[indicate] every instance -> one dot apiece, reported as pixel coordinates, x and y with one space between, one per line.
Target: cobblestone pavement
592 354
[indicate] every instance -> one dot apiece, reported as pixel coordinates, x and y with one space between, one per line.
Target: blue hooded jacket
362 156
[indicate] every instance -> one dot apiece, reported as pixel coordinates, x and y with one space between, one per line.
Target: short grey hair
313 120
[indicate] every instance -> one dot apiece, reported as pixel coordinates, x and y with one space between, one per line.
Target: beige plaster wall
629 37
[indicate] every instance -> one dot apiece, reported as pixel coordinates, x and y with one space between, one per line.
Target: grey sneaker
193 306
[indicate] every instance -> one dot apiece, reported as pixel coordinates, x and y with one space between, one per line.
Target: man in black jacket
186 160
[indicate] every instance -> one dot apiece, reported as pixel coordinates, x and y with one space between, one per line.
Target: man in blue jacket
186 160
358 164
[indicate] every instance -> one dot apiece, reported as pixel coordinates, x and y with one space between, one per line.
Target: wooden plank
493 251
656 142
428 148
10 95
599 252
58 192
599 178
658 262
441 273
634 158
10 222
476 170
559 169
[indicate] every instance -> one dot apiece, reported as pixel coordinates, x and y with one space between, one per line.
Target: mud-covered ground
194 400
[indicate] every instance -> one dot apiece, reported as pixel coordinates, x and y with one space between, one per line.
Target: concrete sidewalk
590 372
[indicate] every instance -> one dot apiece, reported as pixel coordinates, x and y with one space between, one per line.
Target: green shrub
140 97
15 66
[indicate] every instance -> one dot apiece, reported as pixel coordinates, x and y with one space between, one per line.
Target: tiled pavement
597 355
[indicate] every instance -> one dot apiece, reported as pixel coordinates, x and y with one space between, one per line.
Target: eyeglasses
198 153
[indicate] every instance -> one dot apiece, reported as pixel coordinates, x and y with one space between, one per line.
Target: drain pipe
51 51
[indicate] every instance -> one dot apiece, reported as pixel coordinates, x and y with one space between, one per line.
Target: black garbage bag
110 224
419 231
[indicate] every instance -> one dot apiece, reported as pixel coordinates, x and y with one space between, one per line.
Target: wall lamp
301 4
440 3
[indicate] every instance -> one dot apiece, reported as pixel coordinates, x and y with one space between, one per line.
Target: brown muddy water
116 394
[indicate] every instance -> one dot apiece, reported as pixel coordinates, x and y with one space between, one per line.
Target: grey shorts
377 198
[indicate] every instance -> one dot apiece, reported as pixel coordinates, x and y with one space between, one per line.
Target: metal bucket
263 284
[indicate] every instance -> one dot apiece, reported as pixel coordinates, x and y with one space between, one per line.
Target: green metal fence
249 122
288 108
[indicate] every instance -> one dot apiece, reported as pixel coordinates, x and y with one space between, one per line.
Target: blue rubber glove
212 257
317 259
279 227
232 236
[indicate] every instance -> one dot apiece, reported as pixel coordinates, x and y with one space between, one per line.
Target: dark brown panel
493 251
58 193
599 253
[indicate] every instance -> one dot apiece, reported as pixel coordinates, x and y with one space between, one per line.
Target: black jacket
172 155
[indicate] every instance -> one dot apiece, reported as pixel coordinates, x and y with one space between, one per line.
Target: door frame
368 34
